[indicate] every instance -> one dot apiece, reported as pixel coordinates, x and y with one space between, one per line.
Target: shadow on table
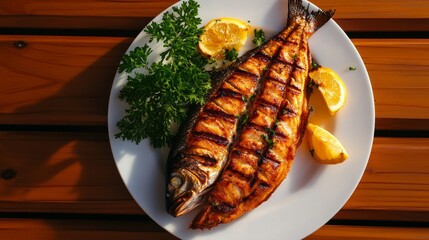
56 156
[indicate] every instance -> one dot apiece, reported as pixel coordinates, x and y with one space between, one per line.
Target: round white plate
312 193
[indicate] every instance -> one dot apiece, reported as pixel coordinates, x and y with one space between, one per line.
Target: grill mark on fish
220 114
214 138
279 39
275 162
288 110
262 57
294 90
246 74
204 160
239 174
224 207
268 104
247 162
253 65
230 93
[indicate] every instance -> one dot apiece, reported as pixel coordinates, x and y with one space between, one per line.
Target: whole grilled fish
262 155
204 140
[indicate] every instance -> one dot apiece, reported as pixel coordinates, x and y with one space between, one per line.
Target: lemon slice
324 146
221 34
331 87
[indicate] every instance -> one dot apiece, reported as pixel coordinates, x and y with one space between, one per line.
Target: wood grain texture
47 229
61 172
332 232
396 177
365 15
64 229
121 8
57 173
345 9
60 80
399 71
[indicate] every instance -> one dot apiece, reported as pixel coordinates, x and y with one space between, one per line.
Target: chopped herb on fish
270 131
268 140
295 56
352 68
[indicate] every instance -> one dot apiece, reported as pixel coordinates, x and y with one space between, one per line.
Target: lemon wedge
221 34
325 147
331 86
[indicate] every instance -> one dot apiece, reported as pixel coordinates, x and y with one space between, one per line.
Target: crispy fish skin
204 141
263 154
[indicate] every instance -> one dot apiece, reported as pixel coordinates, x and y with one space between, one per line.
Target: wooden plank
332 232
396 177
14 229
103 8
59 80
66 229
365 15
398 69
30 22
61 172
55 174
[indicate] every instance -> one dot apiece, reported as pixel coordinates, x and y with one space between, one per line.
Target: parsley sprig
159 94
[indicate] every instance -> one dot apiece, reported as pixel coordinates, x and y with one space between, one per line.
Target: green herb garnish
314 64
243 119
159 94
352 68
312 83
259 37
270 131
231 55
295 56
268 140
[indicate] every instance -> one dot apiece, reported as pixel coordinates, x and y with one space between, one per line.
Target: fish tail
316 18
319 18
296 9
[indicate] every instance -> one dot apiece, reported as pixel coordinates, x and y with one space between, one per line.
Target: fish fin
317 18
320 17
181 136
296 9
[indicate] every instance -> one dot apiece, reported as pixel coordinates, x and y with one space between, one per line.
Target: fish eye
176 181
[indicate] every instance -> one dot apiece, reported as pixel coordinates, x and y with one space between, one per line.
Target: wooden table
59 180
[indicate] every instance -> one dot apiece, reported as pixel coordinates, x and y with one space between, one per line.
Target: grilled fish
204 140
263 153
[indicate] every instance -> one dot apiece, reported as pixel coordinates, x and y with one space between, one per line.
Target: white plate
312 193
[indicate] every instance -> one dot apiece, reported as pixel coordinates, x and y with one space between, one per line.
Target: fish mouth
183 203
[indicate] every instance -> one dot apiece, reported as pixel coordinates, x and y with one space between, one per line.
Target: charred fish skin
204 141
264 152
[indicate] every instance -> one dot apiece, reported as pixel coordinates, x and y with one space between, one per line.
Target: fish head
183 192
